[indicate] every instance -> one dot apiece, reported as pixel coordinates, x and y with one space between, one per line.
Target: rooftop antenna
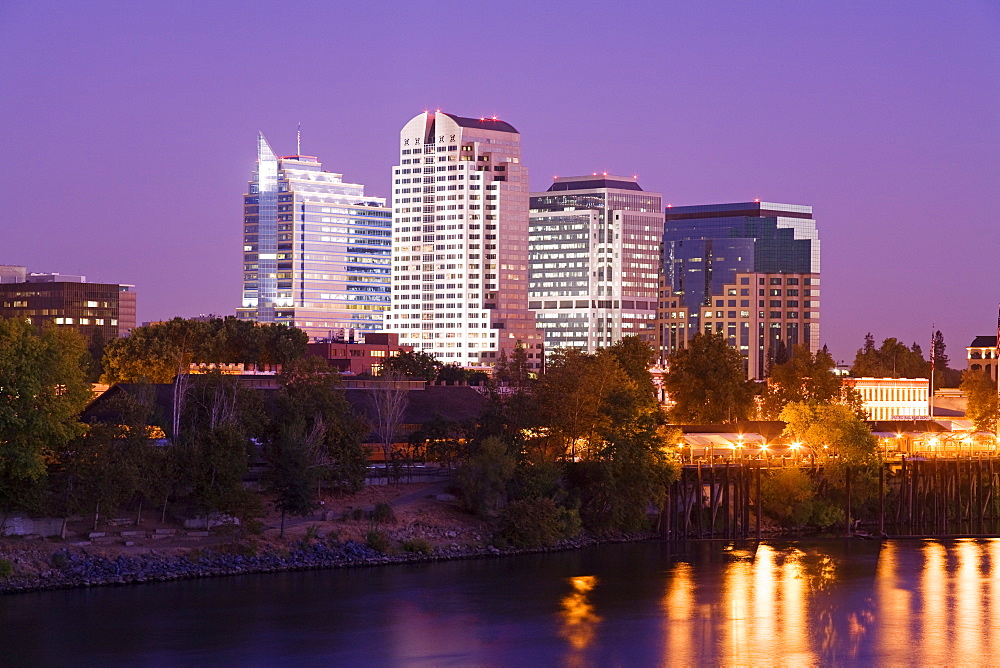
298 140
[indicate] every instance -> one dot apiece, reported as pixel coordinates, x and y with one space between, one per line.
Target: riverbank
426 524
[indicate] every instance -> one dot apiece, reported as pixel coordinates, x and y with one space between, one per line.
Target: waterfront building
316 250
710 250
981 355
99 311
460 242
593 261
892 398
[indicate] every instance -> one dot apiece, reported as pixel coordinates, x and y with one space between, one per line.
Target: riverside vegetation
583 452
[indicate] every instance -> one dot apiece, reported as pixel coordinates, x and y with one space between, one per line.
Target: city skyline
881 120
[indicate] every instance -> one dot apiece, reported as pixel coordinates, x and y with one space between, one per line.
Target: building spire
298 140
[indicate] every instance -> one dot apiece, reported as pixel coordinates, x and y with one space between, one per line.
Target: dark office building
105 310
706 247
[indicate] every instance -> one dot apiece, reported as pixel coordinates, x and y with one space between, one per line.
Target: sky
128 129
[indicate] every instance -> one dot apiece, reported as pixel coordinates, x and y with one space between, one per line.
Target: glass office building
593 261
316 250
706 247
460 242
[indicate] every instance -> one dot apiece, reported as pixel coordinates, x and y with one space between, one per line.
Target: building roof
482 123
459 403
984 342
739 209
594 182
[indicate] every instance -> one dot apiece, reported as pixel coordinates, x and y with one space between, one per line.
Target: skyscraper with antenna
316 250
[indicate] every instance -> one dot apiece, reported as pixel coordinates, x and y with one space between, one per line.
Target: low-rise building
981 355
892 398
357 357
99 311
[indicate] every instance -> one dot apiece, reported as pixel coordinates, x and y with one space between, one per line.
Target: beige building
671 325
764 316
594 261
460 242
892 398
981 355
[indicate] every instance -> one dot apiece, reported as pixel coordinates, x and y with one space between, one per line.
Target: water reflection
904 602
579 622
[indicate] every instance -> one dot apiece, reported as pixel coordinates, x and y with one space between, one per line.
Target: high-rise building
594 246
99 311
316 250
460 241
706 248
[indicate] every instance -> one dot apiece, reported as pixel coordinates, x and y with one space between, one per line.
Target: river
789 603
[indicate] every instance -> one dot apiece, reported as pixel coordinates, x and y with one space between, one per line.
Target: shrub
6 568
312 531
536 523
59 559
383 513
417 546
787 496
378 541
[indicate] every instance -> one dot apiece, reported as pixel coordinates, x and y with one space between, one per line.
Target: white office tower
460 242
594 261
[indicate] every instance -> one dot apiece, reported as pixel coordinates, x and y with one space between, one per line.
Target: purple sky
128 128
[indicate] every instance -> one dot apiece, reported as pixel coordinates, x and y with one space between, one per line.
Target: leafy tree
982 407
313 393
42 391
570 396
415 364
635 356
483 479
291 469
536 522
803 378
830 429
891 360
155 353
707 383
216 446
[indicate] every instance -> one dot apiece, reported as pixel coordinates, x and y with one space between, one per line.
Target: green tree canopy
155 353
830 429
890 360
414 364
983 407
707 383
804 378
42 391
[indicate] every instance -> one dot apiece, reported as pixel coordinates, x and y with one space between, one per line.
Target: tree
416 364
635 356
42 391
891 360
156 353
803 378
707 383
982 407
291 469
313 393
944 375
483 479
831 429
388 401
222 421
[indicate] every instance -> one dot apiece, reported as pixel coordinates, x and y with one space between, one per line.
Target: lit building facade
749 270
316 250
981 356
594 261
460 242
99 311
892 398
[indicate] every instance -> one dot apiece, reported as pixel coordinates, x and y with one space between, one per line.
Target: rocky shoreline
77 568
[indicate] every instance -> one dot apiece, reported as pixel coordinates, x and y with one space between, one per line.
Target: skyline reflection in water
832 602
